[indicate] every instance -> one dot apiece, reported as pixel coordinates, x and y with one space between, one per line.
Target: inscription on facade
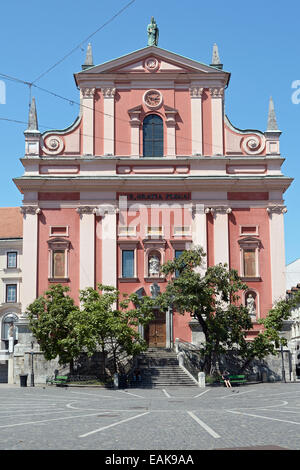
156 196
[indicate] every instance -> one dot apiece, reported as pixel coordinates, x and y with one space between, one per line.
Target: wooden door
156 331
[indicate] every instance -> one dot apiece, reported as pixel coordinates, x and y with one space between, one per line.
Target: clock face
153 98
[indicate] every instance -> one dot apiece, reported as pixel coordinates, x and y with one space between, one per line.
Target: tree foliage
51 319
213 298
111 322
104 321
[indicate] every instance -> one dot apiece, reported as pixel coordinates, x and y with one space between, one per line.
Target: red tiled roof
11 222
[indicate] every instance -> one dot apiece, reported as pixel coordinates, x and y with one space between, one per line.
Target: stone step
159 367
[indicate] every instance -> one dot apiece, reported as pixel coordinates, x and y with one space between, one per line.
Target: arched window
153 136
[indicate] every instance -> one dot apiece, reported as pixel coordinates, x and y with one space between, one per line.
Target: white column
88 120
196 111
87 247
30 250
135 139
221 236
199 236
109 248
276 224
217 120
109 120
135 123
171 130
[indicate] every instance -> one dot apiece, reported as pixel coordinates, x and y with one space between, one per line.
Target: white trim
66 234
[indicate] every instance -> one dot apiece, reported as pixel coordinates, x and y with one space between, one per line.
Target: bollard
201 379
116 381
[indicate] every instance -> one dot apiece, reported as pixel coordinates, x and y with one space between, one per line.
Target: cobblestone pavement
177 418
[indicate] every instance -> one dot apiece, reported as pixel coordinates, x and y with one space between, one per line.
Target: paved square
177 418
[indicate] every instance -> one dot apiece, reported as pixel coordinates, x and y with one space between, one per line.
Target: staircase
160 368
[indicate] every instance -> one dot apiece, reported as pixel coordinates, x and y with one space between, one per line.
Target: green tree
270 339
111 322
211 298
51 319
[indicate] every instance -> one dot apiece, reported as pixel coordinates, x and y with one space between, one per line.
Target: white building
293 285
11 229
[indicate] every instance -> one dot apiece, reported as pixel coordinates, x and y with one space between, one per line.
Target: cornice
155 183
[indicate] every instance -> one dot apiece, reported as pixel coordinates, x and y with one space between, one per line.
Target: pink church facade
152 166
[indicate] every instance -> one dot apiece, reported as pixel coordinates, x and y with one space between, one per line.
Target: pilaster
199 235
217 120
109 247
30 251
109 117
196 110
87 247
221 233
88 120
276 224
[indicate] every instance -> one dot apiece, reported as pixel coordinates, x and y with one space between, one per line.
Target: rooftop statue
152 33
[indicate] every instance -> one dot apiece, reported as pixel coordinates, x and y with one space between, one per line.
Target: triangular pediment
163 61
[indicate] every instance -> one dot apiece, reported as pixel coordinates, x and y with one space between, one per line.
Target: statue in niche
154 265
11 330
251 305
152 30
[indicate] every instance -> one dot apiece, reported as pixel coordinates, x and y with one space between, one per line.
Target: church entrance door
155 333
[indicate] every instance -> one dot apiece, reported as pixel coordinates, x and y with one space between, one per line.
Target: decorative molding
218 210
196 91
88 92
103 210
253 145
170 115
153 99
276 210
85 210
58 243
108 92
216 92
151 64
134 114
53 145
33 210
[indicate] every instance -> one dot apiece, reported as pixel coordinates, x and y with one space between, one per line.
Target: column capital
85 210
196 91
33 210
218 210
108 92
216 92
105 210
276 209
88 92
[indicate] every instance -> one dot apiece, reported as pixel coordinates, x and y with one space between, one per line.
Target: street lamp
32 371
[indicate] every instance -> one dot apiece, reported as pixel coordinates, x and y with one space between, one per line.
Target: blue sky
258 43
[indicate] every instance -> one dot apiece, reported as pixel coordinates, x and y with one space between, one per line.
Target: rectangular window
249 230
58 264
127 263
11 293
59 231
182 231
155 231
12 259
249 260
178 253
